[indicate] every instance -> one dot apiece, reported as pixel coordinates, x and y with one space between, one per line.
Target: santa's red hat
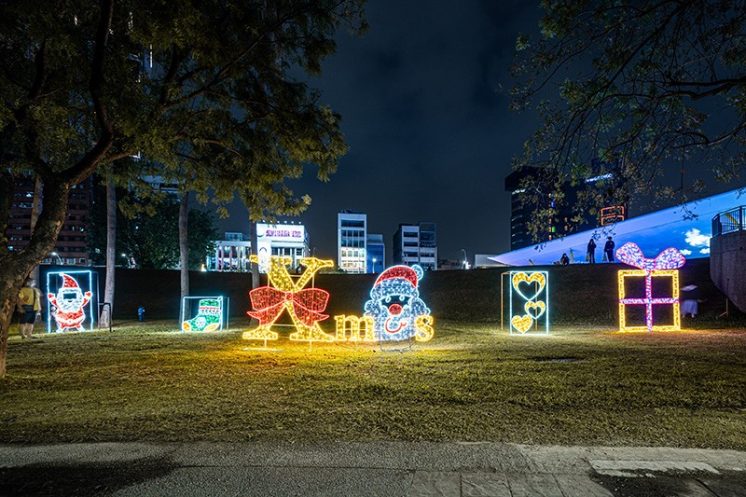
68 281
398 272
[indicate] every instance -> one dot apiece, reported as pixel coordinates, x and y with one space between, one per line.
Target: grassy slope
469 383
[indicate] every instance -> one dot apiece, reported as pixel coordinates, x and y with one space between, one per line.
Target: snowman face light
395 304
69 299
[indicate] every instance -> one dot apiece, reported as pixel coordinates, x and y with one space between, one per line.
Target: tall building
352 234
376 253
71 248
562 224
428 245
416 244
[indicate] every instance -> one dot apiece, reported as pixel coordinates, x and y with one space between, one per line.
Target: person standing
690 297
591 252
609 249
29 306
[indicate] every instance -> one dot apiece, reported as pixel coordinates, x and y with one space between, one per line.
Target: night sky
424 105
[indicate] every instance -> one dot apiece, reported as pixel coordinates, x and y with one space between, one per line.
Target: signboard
280 233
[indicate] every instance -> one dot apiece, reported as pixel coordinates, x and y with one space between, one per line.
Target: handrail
729 221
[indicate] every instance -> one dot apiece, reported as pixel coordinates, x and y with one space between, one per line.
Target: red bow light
308 304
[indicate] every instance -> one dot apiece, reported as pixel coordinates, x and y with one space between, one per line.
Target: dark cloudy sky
428 126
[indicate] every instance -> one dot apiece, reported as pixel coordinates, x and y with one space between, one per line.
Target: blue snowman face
394 304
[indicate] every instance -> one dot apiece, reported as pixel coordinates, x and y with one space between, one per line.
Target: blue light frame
541 296
91 305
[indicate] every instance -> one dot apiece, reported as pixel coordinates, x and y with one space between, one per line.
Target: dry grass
578 386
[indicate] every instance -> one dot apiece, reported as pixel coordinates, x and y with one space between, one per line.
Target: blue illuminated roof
687 227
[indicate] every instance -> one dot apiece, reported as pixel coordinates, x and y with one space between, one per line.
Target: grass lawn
471 383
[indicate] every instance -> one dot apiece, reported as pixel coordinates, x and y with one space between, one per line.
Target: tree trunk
107 312
35 210
254 267
15 267
254 250
184 243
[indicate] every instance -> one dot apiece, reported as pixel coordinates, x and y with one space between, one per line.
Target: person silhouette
591 251
609 249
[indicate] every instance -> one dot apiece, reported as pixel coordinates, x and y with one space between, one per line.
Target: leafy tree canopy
628 87
204 90
208 92
150 237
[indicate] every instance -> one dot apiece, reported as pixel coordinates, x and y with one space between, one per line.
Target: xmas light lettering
305 306
357 329
395 311
666 264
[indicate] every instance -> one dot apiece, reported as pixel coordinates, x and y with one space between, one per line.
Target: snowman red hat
411 274
68 281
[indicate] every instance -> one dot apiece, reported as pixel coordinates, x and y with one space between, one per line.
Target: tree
111 252
87 84
151 238
184 243
628 88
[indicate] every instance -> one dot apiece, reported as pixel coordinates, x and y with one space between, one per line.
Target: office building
232 253
416 244
71 248
562 224
352 238
376 253
290 240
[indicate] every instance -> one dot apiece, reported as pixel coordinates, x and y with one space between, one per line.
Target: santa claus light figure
395 305
68 305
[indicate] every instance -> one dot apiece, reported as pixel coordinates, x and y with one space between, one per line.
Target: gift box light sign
665 265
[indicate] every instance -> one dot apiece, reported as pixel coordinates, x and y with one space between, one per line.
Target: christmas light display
396 308
209 315
305 306
666 264
423 328
67 302
357 329
531 291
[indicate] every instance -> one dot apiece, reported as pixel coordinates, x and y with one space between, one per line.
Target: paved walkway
362 469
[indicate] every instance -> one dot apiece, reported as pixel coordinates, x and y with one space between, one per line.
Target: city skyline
430 133
416 119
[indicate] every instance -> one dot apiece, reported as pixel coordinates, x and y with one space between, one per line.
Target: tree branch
90 160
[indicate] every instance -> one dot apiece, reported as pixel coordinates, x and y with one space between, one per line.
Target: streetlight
374 264
466 263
